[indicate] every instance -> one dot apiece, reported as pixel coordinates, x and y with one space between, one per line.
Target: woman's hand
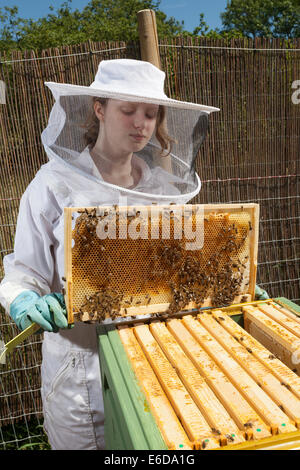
261 294
48 311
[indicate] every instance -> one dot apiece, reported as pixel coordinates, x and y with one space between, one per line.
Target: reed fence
251 154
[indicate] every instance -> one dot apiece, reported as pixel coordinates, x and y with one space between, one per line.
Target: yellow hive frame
288 441
222 210
281 440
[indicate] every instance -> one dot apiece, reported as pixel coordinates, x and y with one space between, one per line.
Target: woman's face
126 126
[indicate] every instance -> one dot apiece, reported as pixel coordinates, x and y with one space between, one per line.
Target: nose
139 120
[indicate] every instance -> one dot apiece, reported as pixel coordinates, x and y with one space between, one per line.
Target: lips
137 137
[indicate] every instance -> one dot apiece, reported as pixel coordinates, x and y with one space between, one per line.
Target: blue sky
187 10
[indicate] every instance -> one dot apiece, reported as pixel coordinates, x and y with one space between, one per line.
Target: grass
24 435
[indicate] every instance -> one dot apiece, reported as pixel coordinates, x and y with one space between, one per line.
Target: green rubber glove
261 294
48 311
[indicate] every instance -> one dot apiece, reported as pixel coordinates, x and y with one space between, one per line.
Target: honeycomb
130 261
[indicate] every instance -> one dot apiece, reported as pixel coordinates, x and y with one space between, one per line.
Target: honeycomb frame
128 277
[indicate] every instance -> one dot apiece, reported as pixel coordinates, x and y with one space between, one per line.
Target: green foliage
9 26
203 27
116 20
24 435
109 20
203 30
263 18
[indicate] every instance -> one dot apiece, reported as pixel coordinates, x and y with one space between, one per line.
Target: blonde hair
92 128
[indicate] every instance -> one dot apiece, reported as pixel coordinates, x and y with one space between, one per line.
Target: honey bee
161 316
248 424
204 444
216 431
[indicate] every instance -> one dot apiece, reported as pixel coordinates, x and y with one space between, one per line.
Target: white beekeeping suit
71 388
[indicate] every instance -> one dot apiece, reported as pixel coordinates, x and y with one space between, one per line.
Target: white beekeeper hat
128 80
64 138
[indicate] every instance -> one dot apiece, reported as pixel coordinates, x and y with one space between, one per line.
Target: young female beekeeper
117 158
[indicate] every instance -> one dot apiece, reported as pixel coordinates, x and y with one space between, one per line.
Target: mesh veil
168 178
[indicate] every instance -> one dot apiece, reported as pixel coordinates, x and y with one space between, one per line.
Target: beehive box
199 381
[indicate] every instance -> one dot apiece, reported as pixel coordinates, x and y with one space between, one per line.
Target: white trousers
71 389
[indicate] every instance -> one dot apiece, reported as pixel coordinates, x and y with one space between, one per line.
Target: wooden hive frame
213 214
277 328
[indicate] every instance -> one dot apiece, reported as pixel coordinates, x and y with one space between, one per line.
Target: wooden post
150 53
148 37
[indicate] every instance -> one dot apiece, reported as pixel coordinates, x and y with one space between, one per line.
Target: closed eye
130 112
151 116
